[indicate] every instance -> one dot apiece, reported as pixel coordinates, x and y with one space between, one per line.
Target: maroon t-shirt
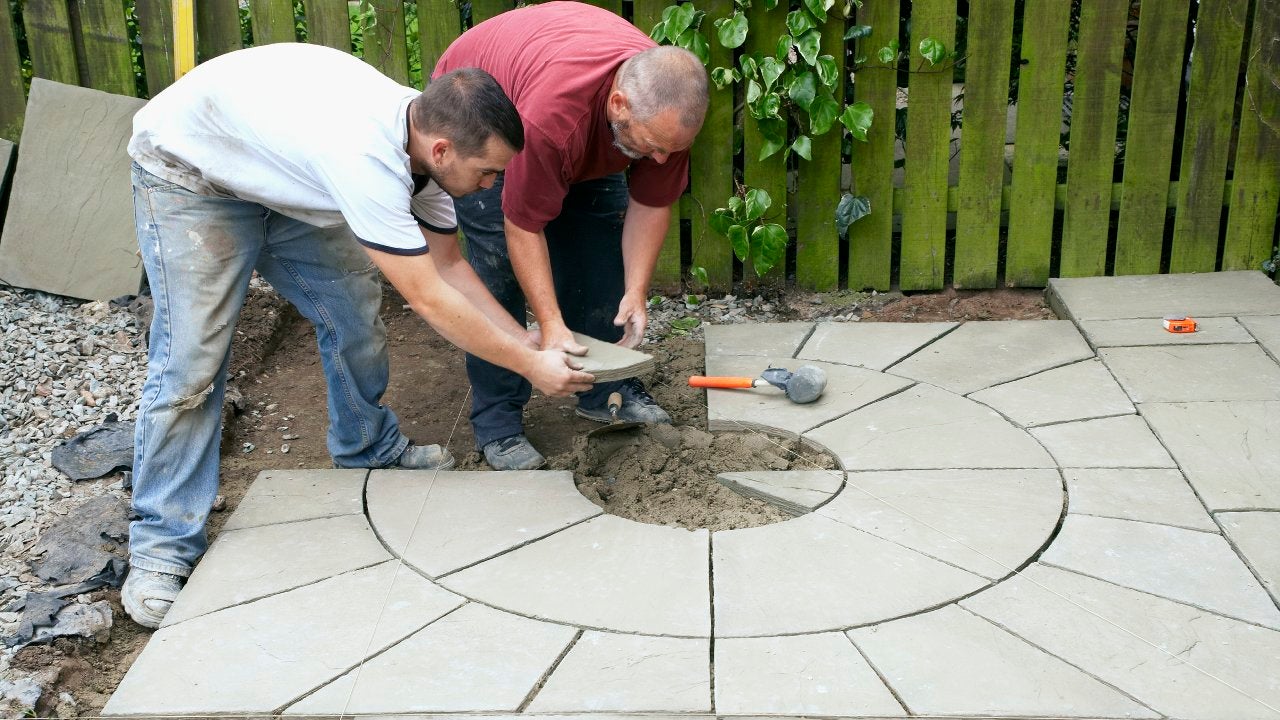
556 61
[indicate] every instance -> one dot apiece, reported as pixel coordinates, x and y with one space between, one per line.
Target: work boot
425 457
637 406
147 595
513 453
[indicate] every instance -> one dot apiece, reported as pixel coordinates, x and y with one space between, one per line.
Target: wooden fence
1147 133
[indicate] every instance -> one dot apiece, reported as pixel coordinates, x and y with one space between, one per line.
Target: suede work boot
425 457
637 406
147 595
513 453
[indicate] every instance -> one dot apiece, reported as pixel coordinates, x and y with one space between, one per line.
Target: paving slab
768 409
978 355
1174 658
757 339
261 656
281 496
1191 567
244 565
1116 442
440 522
69 228
1266 330
473 659
819 674
1156 496
1255 535
1200 295
875 346
924 427
1229 451
794 491
813 574
989 522
1079 391
1150 331
609 362
951 662
1188 374
608 672
606 573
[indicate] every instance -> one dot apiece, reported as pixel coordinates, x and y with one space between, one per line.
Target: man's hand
633 316
556 336
556 374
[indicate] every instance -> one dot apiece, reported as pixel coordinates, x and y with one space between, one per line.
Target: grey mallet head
802 386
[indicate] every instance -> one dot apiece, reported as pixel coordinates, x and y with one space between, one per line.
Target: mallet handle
703 381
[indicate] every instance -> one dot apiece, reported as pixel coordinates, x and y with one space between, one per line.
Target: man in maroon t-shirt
565 229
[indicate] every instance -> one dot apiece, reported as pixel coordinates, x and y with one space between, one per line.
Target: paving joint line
936 338
555 665
879 674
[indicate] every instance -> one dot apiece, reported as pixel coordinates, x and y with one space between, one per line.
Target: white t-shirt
308 131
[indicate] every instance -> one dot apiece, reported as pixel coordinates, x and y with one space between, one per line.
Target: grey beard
617 143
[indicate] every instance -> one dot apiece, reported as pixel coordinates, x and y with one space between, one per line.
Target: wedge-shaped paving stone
1196 568
950 662
758 339
1257 536
870 345
819 674
794 491
1176 659
1154 296
769 409
978 355
246 564
1158 496
924 427
1116 442
813 574
1078 391
445 521
280 496
1188 374
608 672
988 522
258 657
1150 331
473 659
605 573
609 362
1267 332
1230 451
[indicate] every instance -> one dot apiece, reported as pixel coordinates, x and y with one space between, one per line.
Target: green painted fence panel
924 225
385 44
1153 117
108 63
328 23
482 10
1255 192
155 33
1035 155
1091 162
1215 63
871 238
613 6
666 273
13 100
986 93
272 21
769 174
217 28
818 187
49 39
438 25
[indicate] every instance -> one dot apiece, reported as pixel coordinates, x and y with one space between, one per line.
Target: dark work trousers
585 246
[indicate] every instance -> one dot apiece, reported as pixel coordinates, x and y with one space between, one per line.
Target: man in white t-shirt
307 165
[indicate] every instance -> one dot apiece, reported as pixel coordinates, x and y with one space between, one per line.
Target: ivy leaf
735 207
758 201
932 50
770 4
770 148
768 247
720 220
818 8
682 19
857 32
738 240
857 117
803 89
770 71
808 45
754 91
733 32
850 210
888 55
748 64
798 22
699 46
803 147
771 105
828 72
774 132
823 113
723 77
659 32
699 274
783 51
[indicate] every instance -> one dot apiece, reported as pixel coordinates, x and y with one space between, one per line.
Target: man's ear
439 148
619 106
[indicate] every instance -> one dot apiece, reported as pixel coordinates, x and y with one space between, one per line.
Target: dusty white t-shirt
308 131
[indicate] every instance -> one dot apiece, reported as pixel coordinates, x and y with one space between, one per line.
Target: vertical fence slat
1091 161
155 31
986 92
438 25
49 39
385 46
1035 154
1215 63
13 100
615 7
769 174
106 47
924 224
1153 117
482 10
272 21
666 273
217 28
818 189
1255 188
871 238
329 24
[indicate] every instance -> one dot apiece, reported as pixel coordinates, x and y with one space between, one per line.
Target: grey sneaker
425 457
513 453
637 406
147 595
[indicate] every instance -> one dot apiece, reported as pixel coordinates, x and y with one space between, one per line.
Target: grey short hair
665 78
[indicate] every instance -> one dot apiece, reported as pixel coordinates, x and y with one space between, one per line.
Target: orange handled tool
703 381
802 386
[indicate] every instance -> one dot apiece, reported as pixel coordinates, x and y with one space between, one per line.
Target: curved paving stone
1196 568
1116 442
1157 496
1078 391
1257 535
819 674
450 520
605 573
993 520
794 491
950 662
1188 374
978 355
870 345
1150 331
608 672
279 496
1267 332
924 427
759 339
813 574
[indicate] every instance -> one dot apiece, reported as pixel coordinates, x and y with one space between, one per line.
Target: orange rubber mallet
802 386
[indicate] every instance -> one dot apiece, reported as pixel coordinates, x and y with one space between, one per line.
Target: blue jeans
199 253
585 245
